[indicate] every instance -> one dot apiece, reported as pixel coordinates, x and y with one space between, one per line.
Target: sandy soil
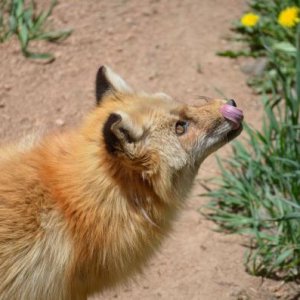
157 45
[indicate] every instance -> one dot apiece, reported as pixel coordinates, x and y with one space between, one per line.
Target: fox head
155 137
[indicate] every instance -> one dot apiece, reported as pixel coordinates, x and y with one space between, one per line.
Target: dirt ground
157 45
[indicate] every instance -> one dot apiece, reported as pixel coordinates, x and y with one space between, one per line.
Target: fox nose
231 102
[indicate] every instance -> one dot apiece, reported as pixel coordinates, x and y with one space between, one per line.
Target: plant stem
298 64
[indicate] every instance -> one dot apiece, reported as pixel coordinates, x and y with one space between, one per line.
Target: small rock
110 30
241 295
153 76
199 68
7 87
255 67
60 122
129 37
129 21
260 66
203 248
146 13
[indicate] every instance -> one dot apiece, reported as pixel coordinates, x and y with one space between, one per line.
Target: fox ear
107 80
120 132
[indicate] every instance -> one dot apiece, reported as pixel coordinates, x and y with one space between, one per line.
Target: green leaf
285 47
23 36
48 57
43 16
298 66
28 18
12 23
283 256
19 8
39 21
54 36
290 216
234 54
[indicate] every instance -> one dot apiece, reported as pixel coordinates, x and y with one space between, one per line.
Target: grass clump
21 18
259 188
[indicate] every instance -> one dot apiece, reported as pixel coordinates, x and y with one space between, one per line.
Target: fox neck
115 218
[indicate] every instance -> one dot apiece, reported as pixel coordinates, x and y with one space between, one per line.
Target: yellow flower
249 20
289 16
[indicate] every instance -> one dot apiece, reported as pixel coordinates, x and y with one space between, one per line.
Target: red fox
85 209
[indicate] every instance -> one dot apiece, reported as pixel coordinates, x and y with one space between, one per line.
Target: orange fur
83 210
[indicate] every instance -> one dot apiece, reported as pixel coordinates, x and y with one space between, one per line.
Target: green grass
258 193
21 18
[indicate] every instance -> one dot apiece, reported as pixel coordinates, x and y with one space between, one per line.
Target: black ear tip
102 84
100 72
101 69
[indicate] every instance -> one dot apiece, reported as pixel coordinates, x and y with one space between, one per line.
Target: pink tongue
233 114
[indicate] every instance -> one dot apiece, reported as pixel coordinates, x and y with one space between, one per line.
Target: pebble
255 67
60 122
7 87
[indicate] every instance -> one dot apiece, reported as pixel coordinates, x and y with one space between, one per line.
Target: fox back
83 210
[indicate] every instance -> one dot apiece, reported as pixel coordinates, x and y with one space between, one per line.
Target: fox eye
181 127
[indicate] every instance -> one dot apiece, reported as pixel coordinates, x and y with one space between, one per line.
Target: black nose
231 102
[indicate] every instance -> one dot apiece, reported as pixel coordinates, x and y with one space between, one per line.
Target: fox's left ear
120 132
108 81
